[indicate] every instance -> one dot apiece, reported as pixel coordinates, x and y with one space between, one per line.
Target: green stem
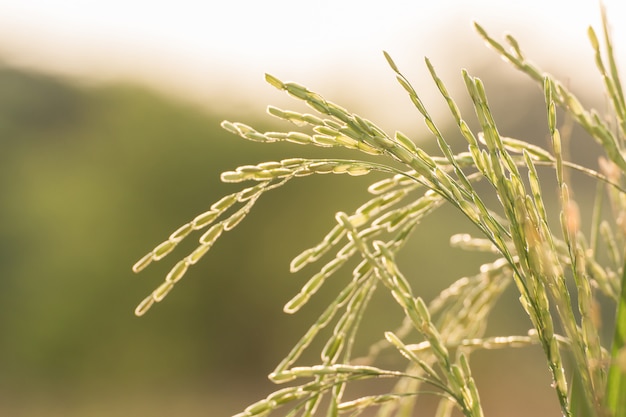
616 384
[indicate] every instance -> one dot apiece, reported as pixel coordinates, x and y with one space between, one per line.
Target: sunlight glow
204 49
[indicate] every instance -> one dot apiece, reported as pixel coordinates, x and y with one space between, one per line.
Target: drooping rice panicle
558 277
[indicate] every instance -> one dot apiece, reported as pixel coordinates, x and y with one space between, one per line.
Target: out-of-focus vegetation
82 170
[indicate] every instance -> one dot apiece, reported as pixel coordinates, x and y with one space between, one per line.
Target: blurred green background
92 178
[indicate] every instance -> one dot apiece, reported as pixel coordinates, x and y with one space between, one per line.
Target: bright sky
212 48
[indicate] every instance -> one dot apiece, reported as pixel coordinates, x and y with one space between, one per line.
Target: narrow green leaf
616 382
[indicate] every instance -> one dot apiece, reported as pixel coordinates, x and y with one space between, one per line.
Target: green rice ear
503 187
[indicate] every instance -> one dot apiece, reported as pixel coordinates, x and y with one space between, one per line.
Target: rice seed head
276 112
296 90
224 203
357 170
301 260
261 407
250 192
274 81
181 233
198 253
292 306
286 395
211 235
281 377
382 186
162 290
299 138
177 272
235 219
333 348
163 250
141 264
322 167
269 165
572 217
406 142
229 126
204 219
593 38
390 62
144 306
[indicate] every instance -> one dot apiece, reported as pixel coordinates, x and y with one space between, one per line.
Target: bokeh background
110 139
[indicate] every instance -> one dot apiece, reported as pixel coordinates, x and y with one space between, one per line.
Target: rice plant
559 270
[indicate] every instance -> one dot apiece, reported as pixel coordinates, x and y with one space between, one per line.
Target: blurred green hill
92 178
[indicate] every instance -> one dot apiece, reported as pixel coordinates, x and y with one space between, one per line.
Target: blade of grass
616 383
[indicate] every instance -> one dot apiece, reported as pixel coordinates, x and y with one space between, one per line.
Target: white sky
207 49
